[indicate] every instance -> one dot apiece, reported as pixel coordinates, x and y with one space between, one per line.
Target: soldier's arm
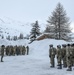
49 52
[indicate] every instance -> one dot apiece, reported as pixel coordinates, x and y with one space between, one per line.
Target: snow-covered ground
36 63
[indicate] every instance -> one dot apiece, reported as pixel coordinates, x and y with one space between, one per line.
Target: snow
36 63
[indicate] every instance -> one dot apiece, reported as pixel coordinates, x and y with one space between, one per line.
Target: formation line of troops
13 50
64 55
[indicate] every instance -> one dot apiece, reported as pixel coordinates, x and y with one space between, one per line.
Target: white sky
32 10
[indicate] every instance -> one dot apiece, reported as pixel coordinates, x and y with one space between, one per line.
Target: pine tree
21 36
59 22
8 37
14 38
35 31
2 37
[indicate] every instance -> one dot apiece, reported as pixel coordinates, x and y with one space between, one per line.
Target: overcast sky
32 10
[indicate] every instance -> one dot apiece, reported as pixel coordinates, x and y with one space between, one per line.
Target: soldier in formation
59 56
52 53
69 57
2 52
64 55
13 50
16 50
27 50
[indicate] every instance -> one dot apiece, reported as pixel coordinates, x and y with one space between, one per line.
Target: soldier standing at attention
27 50
64 55
73 54
59 57
2 52
69 57
52 53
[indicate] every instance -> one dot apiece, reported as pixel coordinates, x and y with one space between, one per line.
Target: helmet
58 46
68 44
63 45
51 45
2 46
73 44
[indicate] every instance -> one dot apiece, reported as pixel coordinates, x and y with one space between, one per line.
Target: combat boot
52 66
69 69
59 66
65 66
2 61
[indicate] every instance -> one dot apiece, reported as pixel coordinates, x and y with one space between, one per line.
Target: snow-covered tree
21 36
35 31
14 38
2 37
58 23
8 37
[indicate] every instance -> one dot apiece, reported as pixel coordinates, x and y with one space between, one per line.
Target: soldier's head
2 46
58 46
72 45
51 45
68 45
63 45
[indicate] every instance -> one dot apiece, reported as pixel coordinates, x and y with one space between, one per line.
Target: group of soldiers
13 50
64 55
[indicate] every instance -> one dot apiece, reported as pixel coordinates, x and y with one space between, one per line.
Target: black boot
65 66
69 69
1 59
59 66
52 66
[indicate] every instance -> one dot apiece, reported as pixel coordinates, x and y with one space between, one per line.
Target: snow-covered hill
12 27
36 63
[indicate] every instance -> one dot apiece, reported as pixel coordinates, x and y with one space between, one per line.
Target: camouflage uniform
72 47
7 50
69 57
2 52
59 57
14 48
52 53
73 54
20 50
23 50
64 55
17 50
